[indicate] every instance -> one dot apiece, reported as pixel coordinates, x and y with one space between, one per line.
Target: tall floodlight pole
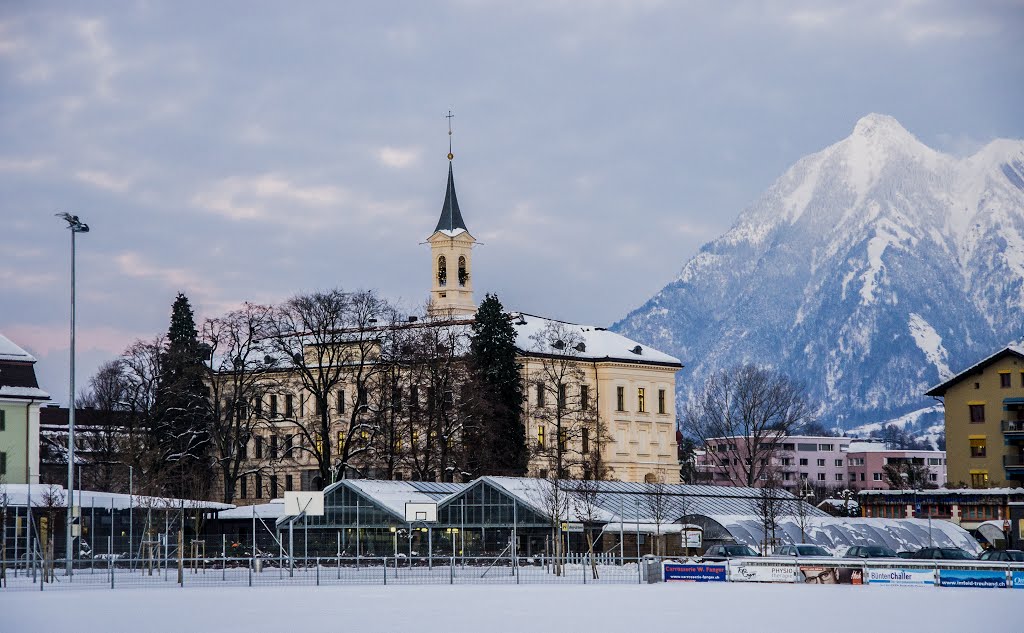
76 226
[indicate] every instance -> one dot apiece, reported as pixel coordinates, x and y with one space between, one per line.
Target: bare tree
586 495
554 498
768 507
563 400
658 503
906 475
239 370
760 406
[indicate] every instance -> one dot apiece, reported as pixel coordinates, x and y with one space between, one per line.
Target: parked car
725 552
870 551
804 551
906 554
1004 555
944 553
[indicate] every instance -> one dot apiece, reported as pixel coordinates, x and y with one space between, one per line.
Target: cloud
132 264
22 280
399 157
103 180
23 165
42 340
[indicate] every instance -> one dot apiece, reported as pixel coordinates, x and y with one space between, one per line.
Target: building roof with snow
17 374
44 495
1010 350
582 342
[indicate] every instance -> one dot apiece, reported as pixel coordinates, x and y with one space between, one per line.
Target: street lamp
76 226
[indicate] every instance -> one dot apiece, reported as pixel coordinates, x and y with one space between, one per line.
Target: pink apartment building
868 459
802 462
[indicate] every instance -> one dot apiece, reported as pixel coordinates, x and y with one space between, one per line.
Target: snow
272 510
23 392
900 422
17 495
929 342
601 344
10 351
392 495
721 607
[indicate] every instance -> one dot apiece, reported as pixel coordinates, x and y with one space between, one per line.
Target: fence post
110 558
339 566
385 570
318 571
451 572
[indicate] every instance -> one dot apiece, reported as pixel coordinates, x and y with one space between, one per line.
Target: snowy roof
10 351
880 447
940 389
7 391
835 532
393 495
17 495
272 510
598 343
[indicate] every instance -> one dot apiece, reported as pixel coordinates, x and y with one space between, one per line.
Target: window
979 479
273 406
787 476
803 475
3 420
661 401
396 397
641 400
821 476
803 461
243 449
586 441
258 406
876 476
289 405
540 436
978 447
319 444
273 487
806 447
540 394
259 486
933 477
977 385
787 461
361 396
414 397
821 462
1004 380
288 482
442 271
243 487
341 440
862 476
463 273
933 461
318 406
563 440
341 401
584 397
561 396
839 463
259 447
839 476
977 413
273 446
289 446
825 447
620 398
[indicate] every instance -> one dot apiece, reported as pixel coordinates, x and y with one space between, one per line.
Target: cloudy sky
252 150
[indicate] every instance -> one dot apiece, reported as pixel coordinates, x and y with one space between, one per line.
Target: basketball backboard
312 503
423 512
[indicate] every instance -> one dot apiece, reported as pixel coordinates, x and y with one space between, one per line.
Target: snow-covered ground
715 607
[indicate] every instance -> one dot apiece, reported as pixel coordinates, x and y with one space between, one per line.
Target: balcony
1014 429
1013 462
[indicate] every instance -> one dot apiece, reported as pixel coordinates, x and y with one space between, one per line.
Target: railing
1013 426
1013 461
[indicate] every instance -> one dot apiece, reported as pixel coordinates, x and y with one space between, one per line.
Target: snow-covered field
723 608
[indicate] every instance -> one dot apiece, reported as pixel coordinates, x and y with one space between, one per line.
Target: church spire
451 217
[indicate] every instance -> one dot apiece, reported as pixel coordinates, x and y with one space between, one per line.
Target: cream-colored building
617 396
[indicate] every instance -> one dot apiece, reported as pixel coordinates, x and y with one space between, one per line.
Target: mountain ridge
869 270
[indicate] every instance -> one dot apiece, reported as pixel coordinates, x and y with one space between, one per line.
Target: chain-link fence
115 571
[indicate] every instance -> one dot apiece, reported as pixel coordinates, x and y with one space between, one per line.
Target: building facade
20 401
593 398
984 414
867 462
797 463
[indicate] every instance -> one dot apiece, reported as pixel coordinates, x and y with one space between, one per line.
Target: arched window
442 271
463 273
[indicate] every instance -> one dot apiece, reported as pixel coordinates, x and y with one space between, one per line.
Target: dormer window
463 273
442 271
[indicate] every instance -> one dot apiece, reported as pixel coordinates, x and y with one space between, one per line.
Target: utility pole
76 226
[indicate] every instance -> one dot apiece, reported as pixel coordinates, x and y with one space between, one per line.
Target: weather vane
450 116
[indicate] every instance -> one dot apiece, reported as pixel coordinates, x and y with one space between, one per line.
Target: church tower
451 254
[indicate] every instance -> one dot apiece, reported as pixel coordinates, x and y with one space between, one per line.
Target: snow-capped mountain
870 271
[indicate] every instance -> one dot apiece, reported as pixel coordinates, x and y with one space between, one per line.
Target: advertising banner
821 575
972 578
901 577
694 572
749 572
1017 579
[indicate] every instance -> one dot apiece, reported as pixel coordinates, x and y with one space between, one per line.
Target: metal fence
116 572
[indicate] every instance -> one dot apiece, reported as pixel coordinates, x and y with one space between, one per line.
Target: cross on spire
450 116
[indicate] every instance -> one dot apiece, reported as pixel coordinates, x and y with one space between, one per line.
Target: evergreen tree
182 405
502 436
